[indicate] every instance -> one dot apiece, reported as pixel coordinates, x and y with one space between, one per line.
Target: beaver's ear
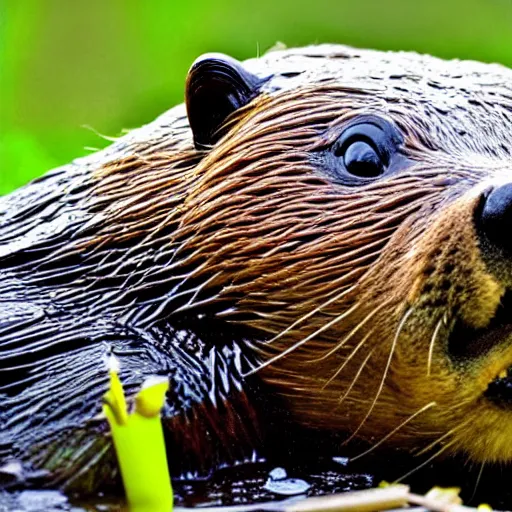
217 85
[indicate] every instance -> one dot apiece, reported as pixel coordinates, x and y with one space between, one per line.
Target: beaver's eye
367 149
362 160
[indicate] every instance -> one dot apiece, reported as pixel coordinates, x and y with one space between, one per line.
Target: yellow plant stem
139 443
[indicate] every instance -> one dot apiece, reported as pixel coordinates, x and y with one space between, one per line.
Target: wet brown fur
353 289
276 240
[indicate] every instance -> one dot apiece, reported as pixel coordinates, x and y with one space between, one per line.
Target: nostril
495 223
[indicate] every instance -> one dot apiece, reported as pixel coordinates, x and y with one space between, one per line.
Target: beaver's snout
495 223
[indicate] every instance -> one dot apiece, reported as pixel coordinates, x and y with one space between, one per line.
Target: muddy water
261 482
243 484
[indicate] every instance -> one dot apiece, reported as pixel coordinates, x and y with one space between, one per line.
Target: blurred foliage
115 64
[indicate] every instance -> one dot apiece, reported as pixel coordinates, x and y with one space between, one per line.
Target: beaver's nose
496 218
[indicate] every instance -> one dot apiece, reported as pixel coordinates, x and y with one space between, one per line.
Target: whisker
313 312
431 347
354 380
478 478
385 374
295 346
442 438
352 354
351 333
428 461
395 430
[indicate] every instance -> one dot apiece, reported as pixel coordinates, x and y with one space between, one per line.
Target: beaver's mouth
466 343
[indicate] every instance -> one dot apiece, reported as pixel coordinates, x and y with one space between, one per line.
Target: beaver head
333 222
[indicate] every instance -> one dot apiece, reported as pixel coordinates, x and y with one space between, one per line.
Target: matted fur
348 293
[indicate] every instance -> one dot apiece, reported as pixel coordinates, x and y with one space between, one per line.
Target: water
262 482
243 484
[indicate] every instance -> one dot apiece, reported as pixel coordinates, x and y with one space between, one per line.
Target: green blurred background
66 65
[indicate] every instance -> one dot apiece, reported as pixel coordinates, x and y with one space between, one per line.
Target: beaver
319 238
